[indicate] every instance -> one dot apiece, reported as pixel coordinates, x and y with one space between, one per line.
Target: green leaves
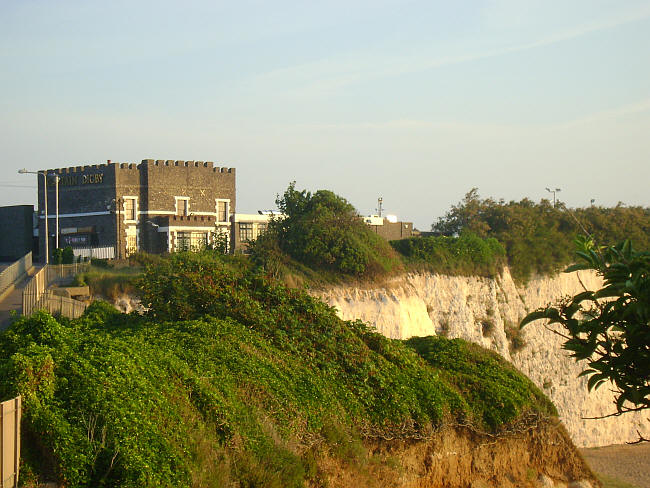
610 328
323 232
467 255
231 366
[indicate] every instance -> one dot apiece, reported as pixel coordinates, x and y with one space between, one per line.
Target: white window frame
216 208
181 199
135 208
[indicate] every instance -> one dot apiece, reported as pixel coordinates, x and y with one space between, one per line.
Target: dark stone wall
201 181
16 231
82 189
100 190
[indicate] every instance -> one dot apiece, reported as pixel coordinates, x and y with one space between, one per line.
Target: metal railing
59 305
95 252
10 412
17 270
35 295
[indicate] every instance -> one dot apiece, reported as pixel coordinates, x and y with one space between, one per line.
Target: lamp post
56 185
554 192
47 236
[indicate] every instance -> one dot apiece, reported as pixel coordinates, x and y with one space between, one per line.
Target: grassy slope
237 379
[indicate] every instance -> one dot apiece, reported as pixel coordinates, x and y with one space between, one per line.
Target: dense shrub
467 255
484 378
323 231
538 237
230 377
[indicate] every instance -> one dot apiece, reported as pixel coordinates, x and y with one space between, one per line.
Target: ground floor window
191 241
131 245
261 229
245 231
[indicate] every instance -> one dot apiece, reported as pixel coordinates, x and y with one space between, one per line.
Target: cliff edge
487 311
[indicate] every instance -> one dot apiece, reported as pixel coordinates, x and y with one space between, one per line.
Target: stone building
389 227
154 206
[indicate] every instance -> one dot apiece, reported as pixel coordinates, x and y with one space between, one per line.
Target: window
131 245
182 206
261 229
191 241
222 210
245 231
198 241
183 241
129 209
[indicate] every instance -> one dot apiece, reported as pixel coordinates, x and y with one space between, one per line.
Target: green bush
467 255
538 237
228 377
324 232
67 256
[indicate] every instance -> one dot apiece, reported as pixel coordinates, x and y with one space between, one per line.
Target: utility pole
554 192
380 208
56 183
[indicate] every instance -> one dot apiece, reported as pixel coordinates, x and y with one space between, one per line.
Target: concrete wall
16 231
392 231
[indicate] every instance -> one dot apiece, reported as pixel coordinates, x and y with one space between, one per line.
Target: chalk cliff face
487 311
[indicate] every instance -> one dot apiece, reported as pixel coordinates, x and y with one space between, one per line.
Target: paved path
13 301
629 463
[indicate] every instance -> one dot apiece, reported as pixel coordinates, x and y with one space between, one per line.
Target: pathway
13 301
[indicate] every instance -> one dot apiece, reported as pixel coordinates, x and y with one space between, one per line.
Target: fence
95 252
58 305
10 412
35 296
14 272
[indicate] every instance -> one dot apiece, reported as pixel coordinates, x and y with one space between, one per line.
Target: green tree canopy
323 231
539 237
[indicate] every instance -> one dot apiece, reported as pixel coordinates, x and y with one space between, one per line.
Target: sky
416 102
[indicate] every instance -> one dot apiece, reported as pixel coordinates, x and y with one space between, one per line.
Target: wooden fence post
10 413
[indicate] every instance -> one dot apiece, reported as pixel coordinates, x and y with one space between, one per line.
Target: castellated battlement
207 165
77 169
188 164
131 166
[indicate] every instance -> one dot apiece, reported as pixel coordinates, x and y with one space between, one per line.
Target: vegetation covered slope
234 378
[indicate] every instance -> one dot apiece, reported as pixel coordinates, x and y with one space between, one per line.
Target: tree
610 328
323 231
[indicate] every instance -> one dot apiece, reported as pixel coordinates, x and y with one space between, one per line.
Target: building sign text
72 180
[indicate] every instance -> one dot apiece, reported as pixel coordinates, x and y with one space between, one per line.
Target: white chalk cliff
484 310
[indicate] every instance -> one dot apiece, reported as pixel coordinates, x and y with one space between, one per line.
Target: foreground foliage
234 379
610 327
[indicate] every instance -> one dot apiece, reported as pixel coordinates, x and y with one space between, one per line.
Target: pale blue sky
414 101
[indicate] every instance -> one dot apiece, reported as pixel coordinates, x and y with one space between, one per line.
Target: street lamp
554 192
47 236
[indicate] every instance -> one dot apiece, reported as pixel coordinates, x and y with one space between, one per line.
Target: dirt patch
458 457
629 463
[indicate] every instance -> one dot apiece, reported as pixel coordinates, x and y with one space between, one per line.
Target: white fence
10 412
95 252
13 273
35 296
